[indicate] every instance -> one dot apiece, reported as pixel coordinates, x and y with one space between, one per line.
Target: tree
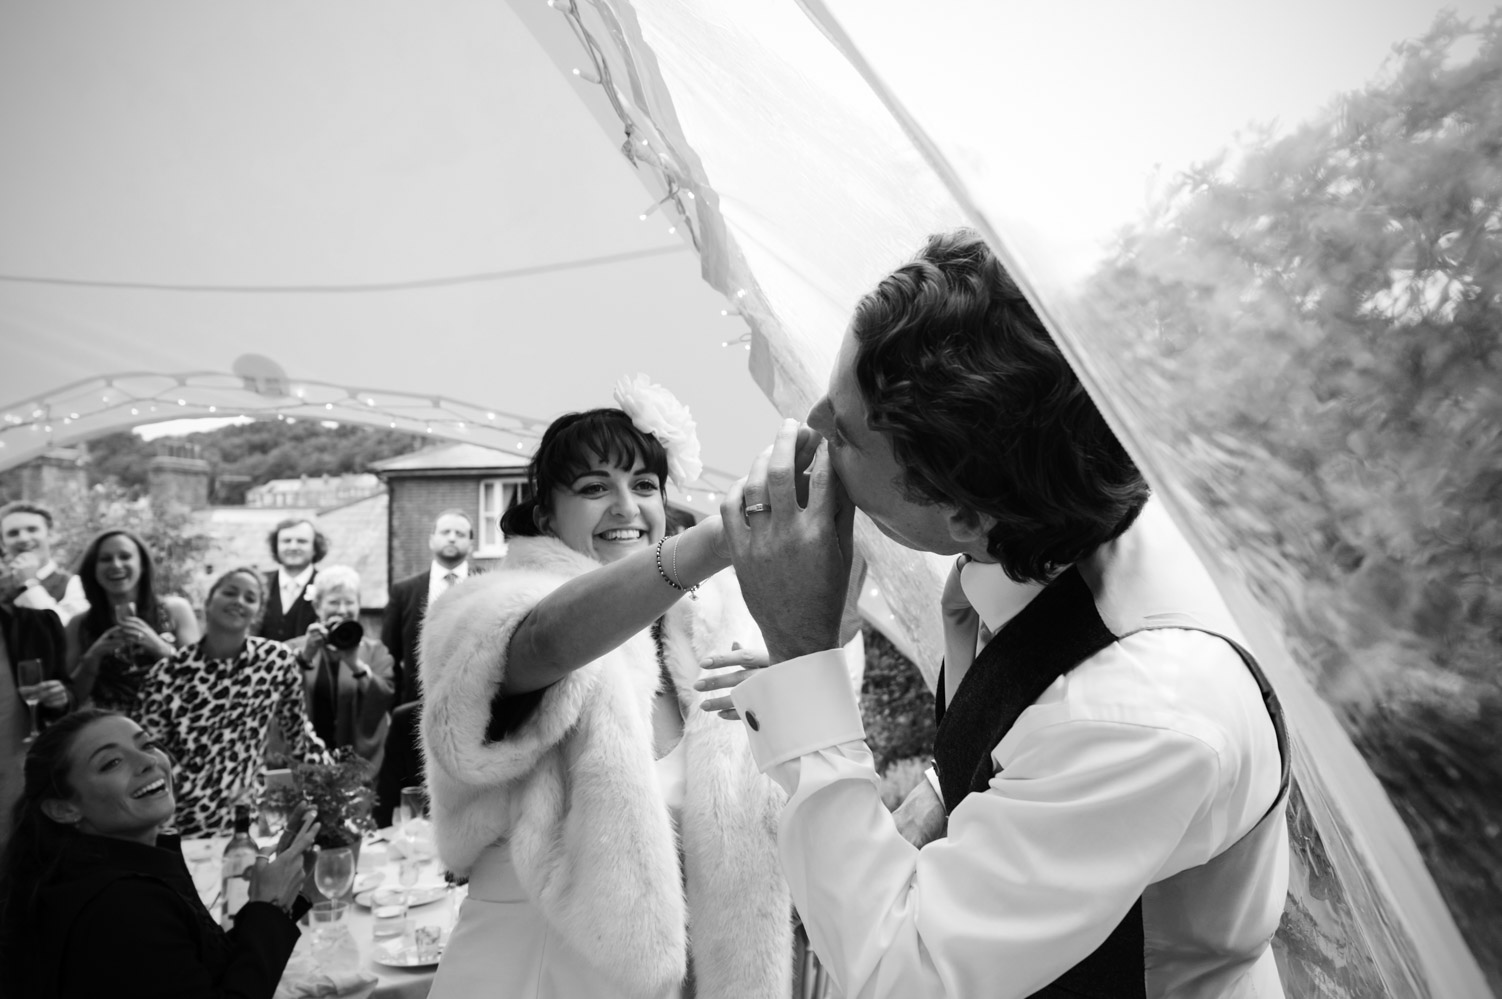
1315 326
176 545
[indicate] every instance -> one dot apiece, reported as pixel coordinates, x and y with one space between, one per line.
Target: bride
603 822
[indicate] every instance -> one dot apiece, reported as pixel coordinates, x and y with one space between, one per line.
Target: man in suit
298 547
451 542
1105 816
31 577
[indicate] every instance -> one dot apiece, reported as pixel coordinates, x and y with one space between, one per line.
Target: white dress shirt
293 586
438 581
36 597
1149 758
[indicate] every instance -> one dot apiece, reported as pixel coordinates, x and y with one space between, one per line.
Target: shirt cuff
799 707
35 597
932 776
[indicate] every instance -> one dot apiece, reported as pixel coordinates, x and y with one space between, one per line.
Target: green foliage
340 793
176 546
1312 330
260 451
895 703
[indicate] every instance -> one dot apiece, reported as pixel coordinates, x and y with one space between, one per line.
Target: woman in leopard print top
212 704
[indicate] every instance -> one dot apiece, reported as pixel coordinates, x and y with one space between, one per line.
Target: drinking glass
334 871
125 611
29 674
414 805
326 918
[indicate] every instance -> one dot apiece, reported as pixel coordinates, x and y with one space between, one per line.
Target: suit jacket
360 717
400 626
284 624
35 634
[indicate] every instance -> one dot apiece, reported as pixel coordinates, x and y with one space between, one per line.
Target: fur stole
574 788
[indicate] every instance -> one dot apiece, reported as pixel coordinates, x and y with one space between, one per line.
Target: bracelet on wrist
662 571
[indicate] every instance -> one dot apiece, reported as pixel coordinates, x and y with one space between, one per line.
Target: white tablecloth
392 983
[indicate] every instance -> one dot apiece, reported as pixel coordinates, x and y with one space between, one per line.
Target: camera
345 635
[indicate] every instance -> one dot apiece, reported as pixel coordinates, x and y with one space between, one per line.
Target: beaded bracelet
692 591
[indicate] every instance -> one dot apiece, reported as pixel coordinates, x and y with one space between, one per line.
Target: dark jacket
361 716
282 624
35 634
123 920
400 625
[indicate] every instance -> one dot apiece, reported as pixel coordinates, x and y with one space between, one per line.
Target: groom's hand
792 559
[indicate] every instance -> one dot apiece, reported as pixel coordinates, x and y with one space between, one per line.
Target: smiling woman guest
213 704
95 899
127 627
596 812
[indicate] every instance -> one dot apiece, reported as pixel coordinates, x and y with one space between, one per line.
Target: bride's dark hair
572 444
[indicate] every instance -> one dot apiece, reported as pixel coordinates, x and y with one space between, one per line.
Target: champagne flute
125 611
29 674
334 871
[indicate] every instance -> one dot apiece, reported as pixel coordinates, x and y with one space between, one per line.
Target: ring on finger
758 507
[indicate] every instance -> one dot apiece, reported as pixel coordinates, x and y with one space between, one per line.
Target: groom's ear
970 528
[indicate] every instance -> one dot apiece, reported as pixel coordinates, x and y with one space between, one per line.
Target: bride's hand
749 660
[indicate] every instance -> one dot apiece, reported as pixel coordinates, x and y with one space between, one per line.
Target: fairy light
489 416
328 405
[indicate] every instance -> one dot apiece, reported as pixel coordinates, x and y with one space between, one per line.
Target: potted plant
340 793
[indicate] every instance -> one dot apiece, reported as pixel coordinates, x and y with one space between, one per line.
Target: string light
489 416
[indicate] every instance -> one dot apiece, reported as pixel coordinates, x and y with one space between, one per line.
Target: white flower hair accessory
656 411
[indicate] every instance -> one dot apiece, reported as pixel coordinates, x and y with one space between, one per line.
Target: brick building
481 481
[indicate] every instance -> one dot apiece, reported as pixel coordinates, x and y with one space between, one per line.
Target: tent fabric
784 142
428 207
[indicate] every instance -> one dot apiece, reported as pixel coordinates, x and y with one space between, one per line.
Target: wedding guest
297 546
95 898
1110 761
33 578
347 676
27 634
452 541
213 704
127 626
602 821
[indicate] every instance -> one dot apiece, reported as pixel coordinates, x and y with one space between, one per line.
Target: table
203 856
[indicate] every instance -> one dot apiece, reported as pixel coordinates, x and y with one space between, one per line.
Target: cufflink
751 720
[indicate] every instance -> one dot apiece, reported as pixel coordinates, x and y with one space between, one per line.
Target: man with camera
348 678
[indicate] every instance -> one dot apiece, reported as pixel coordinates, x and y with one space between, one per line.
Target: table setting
382 912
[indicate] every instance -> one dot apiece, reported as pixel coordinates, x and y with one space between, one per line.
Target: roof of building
356 532
360 480
457 456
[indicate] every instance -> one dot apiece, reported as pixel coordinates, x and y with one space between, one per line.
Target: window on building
496 497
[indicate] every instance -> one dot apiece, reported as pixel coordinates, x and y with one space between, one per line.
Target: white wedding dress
503 948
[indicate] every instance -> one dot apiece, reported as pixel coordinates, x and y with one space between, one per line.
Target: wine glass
334 871
29 674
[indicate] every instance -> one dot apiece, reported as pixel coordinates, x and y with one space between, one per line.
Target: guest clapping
213 703
127 627
95 899
347 675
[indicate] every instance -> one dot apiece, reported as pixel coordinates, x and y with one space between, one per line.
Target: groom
1110 761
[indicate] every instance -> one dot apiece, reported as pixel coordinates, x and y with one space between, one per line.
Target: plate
394 955
417 896
369 881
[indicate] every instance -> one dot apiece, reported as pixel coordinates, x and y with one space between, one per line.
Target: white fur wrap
574 790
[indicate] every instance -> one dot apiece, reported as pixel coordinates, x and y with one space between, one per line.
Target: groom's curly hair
983 412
